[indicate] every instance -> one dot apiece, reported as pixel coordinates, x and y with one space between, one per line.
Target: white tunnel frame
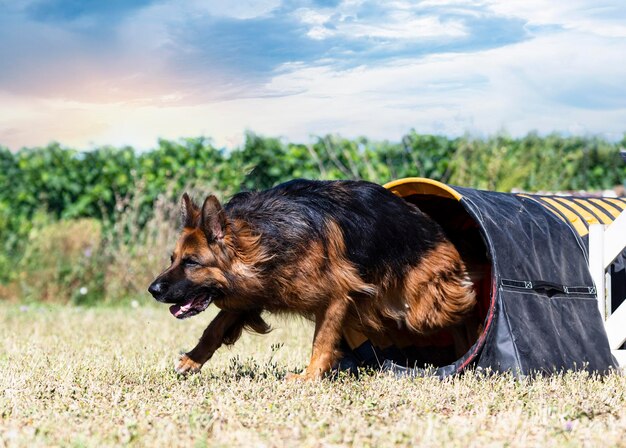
606 242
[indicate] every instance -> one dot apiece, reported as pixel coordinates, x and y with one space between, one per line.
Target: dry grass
103 376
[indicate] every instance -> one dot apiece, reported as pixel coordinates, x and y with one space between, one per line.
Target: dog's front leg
328 326
225 323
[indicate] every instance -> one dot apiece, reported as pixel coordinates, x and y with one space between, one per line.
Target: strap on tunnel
548 288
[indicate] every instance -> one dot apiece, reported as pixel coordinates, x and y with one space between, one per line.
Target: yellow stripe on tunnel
578 224
619 203
614 213
585 214
595 210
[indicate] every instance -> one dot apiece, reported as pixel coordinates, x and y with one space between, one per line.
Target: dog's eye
188 262
172 259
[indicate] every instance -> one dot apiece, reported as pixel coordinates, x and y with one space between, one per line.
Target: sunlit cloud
129 72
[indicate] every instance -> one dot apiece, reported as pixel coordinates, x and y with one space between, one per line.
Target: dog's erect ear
188 211
213 219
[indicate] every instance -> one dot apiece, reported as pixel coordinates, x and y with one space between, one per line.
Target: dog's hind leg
328 326
438 292
226 328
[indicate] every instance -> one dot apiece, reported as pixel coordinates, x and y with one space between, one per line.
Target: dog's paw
186 365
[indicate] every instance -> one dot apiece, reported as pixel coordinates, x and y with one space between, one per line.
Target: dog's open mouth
191 307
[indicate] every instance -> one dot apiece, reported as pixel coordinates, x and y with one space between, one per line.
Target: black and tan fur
347 254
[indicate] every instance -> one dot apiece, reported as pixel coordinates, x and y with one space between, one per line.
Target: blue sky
128 72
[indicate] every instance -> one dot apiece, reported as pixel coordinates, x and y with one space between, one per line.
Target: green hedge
63 183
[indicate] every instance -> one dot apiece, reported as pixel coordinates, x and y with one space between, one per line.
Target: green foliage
69 184
532 163
62 262
40 186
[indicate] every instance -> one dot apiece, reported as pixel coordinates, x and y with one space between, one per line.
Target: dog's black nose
157 289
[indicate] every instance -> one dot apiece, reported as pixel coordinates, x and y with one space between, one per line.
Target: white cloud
517 88
406 26
604 17
400 22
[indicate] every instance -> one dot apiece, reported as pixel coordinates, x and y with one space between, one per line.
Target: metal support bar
608 294
596 264
615 326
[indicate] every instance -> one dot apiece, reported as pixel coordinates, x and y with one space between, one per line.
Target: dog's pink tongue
177 310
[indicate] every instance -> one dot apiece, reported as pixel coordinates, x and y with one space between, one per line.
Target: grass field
103 377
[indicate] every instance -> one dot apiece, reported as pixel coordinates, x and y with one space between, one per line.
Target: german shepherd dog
346 254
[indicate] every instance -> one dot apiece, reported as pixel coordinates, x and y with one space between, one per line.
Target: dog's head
200 262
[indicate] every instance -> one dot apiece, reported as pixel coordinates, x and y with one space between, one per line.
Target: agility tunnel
527 256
